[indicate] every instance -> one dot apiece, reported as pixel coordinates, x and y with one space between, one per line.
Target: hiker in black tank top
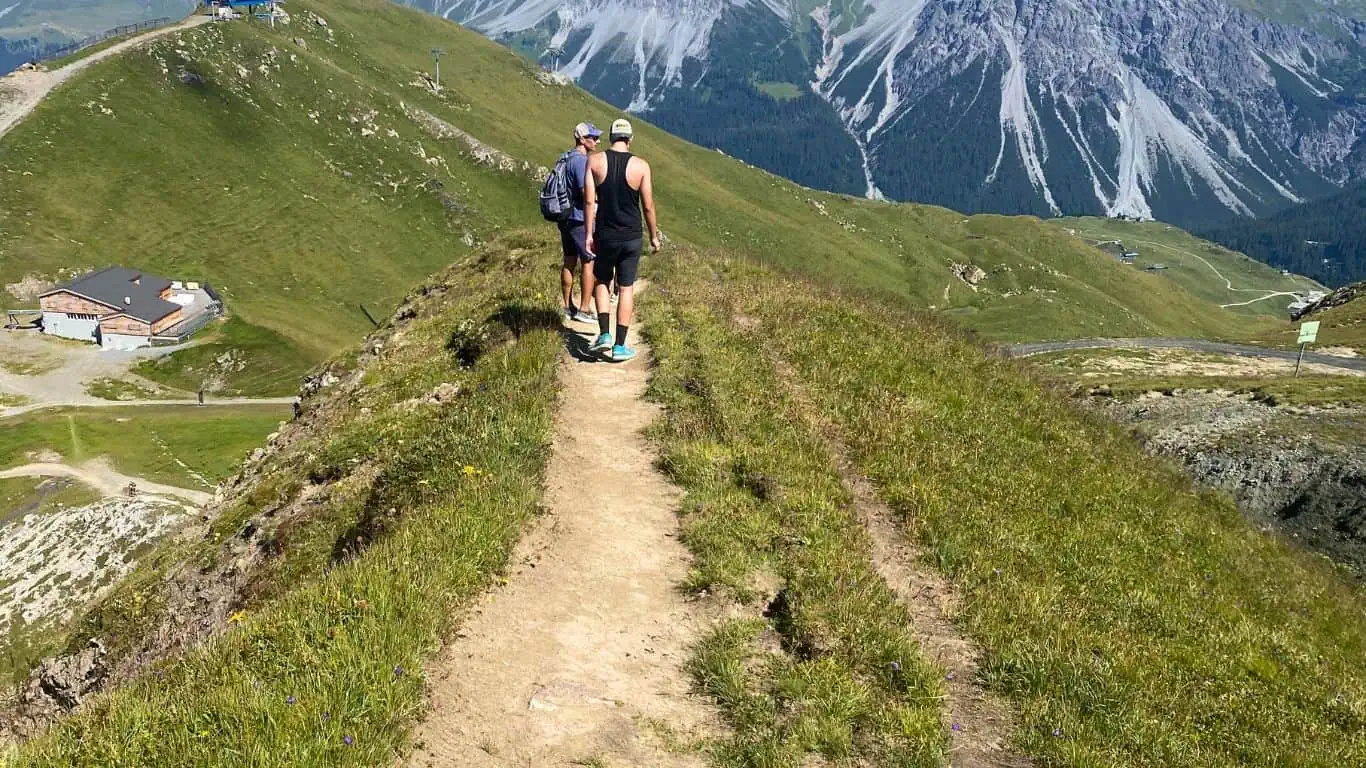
618 188
618 219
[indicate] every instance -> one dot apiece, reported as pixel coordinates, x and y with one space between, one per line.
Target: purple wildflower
398 671
1057 732
895 666
347 740
289 700
327 716
957 727
949 676
996 571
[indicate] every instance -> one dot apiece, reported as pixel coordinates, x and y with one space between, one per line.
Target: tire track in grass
980 725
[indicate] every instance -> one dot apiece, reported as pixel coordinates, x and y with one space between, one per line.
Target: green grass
1131 619
781 91
234 359
1192 263
87 52
348 640
764 501
1304 12
148 441
118 389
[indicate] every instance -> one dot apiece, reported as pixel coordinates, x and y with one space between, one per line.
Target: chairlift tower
437 53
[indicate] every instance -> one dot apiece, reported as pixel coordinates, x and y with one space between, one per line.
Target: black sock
621 335
604 322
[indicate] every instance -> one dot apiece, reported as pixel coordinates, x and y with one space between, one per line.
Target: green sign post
1308 333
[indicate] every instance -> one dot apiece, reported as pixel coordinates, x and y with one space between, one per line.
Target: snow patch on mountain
1017 114
659 37
1155 73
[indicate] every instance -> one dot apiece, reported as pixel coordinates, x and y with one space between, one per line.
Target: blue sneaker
621 354
604 341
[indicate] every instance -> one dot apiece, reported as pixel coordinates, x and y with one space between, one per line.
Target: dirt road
1193 345
99 475
578 660
21 92
93 402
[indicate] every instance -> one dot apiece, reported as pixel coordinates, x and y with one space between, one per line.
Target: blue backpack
556 202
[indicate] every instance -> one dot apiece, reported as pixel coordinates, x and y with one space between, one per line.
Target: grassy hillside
1132 619
1128 619
1212 272
287 167
183 446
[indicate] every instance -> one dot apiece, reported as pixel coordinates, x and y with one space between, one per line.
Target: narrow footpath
98 474
577 659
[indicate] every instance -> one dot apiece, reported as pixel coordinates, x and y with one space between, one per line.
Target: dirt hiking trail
21 91
578 659
98 474
980 725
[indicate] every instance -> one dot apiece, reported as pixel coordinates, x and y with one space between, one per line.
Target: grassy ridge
846 680
324 668
1132 620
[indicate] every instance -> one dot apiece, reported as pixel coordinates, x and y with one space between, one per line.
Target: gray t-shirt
577 171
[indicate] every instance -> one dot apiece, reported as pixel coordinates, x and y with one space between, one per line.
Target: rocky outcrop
1335 299
1293 470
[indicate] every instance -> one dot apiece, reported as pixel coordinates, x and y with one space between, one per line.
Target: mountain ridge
1183 112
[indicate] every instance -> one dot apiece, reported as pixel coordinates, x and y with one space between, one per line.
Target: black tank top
618 205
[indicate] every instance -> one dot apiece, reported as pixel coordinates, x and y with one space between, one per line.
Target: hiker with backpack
562 201
618 189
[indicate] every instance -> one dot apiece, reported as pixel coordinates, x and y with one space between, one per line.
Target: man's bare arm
647 200
590 204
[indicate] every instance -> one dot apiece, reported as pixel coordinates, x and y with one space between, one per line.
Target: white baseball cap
621 129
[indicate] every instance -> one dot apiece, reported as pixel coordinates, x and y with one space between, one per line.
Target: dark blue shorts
573 244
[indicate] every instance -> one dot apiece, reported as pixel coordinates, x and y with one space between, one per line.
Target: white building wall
124 341
61 324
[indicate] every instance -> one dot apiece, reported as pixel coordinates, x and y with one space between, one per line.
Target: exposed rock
481 153
58 686
1115 106
552 78
969 273
29 288
1289 469
1335 299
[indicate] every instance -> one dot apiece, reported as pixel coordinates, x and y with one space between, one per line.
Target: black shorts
573 244
619 261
